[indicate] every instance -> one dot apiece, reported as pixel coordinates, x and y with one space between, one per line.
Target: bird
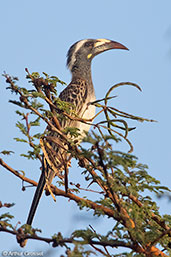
80 93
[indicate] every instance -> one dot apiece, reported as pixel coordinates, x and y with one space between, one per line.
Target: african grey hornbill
80 92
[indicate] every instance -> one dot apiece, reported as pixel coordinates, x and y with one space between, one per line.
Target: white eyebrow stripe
73 58
101 41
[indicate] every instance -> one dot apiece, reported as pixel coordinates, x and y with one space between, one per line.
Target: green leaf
22 127
7 216
38 135
6 152
35 122
20 140
20 113
38 94
58 80
35 75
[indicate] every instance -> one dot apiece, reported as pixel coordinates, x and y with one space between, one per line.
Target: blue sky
37 35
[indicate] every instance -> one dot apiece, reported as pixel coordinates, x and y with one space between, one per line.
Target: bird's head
82 52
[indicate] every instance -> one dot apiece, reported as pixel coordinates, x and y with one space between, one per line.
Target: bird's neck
82 72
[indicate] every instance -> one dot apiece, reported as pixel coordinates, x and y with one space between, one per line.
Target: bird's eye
89 44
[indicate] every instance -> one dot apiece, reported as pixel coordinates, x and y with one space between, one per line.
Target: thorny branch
58 192
55 243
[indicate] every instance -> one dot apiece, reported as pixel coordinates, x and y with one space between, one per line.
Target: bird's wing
75 93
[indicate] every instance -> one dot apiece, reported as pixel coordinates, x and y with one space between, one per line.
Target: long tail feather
37 195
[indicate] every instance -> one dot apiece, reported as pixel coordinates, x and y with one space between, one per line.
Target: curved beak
115 45
102 45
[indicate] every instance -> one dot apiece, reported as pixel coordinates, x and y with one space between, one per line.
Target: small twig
86 189
108 255
98 250
16 173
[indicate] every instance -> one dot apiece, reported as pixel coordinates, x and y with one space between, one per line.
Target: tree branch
57 242
58 192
